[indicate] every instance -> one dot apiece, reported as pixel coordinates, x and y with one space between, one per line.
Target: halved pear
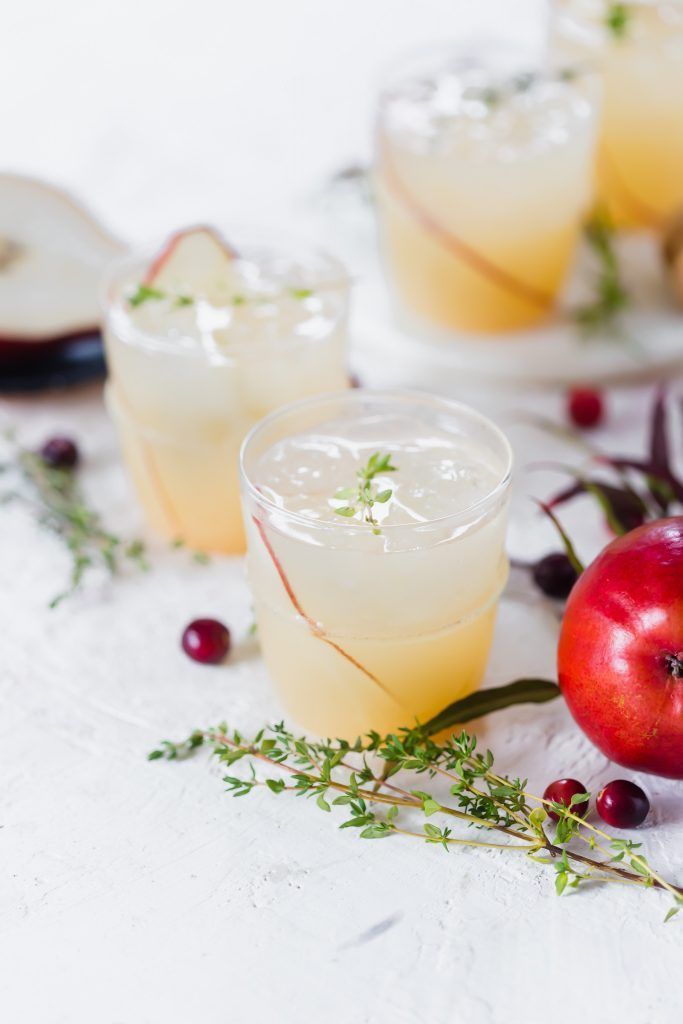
52 253
194 262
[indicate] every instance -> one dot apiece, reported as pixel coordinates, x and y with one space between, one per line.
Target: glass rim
273 240
408 395
397 72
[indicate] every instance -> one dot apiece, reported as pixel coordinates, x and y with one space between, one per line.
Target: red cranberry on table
59 453
622 804
586 407
561 792
206 641
554 574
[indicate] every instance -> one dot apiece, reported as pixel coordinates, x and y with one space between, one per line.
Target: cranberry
206 640
622 804
585 407
561 792
554 574
59 452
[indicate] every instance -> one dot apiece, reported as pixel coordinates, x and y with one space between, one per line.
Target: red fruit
620 656
59 452
206 640
561 792
622 804
585 407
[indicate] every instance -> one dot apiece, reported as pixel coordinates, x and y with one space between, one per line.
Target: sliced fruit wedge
52 252
195 262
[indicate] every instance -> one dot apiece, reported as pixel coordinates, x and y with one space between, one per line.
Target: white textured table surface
137 893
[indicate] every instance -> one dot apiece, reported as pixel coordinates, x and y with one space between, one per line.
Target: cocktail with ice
202 341
483 176
376 558
638 50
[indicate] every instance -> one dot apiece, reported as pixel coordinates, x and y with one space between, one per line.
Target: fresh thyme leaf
143 294
54 497
300 293
497 805
611 297
617 20
363 497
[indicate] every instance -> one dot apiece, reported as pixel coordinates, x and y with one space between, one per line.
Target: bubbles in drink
438 472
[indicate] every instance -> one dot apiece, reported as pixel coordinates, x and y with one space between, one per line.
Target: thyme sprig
55 498
145 293
617 19
611 297
364 496
361 777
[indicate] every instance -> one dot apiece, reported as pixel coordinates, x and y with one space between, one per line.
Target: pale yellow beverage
484 172
375 624
638 49
202 343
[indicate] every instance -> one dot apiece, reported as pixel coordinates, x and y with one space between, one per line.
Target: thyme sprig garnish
611 297
362 778
145 293
617 19
55 498
361 499
515 85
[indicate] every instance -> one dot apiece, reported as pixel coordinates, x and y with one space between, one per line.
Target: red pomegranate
620 657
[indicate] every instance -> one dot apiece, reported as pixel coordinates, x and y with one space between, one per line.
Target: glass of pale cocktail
483 175
202 341
376 554
638 50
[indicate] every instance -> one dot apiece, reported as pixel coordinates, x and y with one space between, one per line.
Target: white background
135 893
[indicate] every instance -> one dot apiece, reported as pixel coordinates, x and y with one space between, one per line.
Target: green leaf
380 831
561 882
144 293
358 821
345 510
671 913
345 493
483 702
154 755
432 831
538 816
430 807
383 496
576 562
579 798
275 785
617 19
322 803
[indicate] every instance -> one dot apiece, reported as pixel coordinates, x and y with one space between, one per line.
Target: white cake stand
647 345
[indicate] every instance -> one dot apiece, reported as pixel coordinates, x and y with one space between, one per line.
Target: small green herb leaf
362 498
144 293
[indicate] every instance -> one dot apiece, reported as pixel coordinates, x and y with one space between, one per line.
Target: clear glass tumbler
375 623
483 173
191 372
638 50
